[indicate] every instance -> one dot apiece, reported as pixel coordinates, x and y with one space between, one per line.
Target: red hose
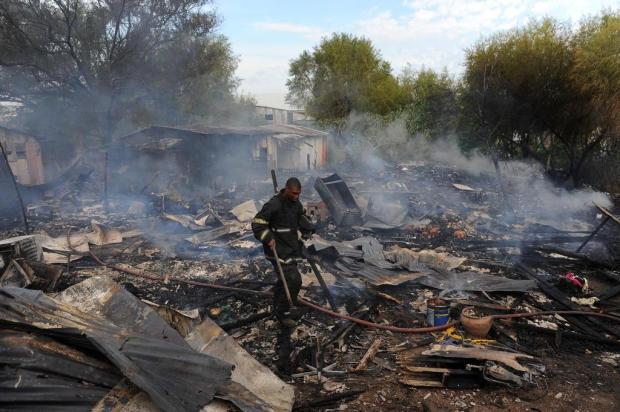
151 276
443 327
376 325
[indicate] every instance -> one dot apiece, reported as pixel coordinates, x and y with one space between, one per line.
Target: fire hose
151 276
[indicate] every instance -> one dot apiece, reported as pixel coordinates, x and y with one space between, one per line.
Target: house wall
299 117
272 115
24 154
209 161
266 152
196 164
306 153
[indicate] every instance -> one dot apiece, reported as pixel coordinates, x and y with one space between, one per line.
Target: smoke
374 144
526 181
447 152
542 198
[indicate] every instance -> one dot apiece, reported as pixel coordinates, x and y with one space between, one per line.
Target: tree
430 106
102 67
341 75
596 74
543 91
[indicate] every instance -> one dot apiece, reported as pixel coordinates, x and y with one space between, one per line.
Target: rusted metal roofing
200 130
84 382
252 388
263 130
39 372
175 377
21 132
374 275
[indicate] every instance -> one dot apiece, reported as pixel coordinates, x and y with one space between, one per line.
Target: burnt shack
23 152
22 158
36 163
208 155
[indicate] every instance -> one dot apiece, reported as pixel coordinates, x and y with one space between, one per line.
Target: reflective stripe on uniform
281 230
259 221
287 261
264 234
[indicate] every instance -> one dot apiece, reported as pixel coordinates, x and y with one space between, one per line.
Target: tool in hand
274 180
282 277
316 271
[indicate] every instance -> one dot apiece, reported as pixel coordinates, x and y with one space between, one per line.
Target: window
268 116
263 153
20 151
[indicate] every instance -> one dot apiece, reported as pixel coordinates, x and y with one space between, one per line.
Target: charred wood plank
610 293
341 332
368 356
563 300
594 232
245 321
327 400
566 334
574 255
324 287
217 297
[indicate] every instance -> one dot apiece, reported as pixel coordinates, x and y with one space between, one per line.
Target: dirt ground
579 376
576 382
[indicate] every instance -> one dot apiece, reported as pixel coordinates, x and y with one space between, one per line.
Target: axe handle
282 277
274 180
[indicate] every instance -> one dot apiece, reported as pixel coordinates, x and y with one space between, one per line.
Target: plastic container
437 312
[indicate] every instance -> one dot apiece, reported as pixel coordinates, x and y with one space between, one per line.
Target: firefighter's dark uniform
280 219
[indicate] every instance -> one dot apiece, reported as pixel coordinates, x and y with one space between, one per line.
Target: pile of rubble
427 281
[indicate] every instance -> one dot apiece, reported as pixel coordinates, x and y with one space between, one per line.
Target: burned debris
392 237
417 281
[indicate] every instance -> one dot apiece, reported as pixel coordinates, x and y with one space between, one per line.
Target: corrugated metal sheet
252 385
289 147
38 372
374 275
208 130
175 377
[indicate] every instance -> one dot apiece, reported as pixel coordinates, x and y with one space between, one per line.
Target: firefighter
277 225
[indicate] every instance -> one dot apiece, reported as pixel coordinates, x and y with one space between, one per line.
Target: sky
266 35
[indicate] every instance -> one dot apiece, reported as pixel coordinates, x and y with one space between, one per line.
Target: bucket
437 312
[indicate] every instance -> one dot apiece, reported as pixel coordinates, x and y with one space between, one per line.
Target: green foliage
343 74
430 105
104 67
544 91
596 70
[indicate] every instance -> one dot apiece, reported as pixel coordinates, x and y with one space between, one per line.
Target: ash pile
423 287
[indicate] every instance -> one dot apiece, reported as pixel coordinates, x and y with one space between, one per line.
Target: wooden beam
563 300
